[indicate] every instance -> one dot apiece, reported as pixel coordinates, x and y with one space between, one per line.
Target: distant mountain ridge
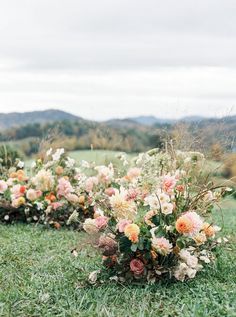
151 120
14 119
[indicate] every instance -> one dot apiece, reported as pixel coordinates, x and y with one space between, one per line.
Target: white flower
70 162
20 164
6 217
73 217
164 198
123 158
190 260
200 238
56 156
43 180
122 208
39 206
191 273
49 152
99 211
90 226
105 173
204 258
85 164
169 228
152 201
183 270
3 186
167 208
152 231
162 245
33 164
180 271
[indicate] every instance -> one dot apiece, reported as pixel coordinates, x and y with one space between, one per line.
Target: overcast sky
117 58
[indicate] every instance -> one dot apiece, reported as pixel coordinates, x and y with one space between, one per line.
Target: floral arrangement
153 219
51 192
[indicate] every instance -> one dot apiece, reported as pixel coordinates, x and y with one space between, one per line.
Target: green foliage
8 156
76 135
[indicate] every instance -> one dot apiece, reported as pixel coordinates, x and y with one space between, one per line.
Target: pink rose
56 205
72 198
169 183
122 224
101 222
132 194
3 186
134 172
180 188
64 187
110 191
33 194
16 192
137 266
90 183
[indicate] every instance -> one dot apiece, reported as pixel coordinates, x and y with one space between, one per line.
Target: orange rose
21 175
208 230
81 200
51 197
13 175
184 225
59 170
132 232
57 225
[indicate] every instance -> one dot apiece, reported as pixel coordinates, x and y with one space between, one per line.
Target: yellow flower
121 207
21 201
16 203
132 232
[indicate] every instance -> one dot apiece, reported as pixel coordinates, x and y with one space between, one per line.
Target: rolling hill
14 119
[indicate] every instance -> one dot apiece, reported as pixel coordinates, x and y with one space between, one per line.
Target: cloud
118 57
164 92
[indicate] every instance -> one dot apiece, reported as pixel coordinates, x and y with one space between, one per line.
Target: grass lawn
39 277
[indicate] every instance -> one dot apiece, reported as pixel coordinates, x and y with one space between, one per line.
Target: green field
39 277
97 156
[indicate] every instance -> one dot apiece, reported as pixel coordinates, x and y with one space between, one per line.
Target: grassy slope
38 277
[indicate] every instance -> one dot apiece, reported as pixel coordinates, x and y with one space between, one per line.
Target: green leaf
140 244
180 243
134 247
125 244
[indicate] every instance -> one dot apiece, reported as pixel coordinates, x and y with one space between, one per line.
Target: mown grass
40 277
